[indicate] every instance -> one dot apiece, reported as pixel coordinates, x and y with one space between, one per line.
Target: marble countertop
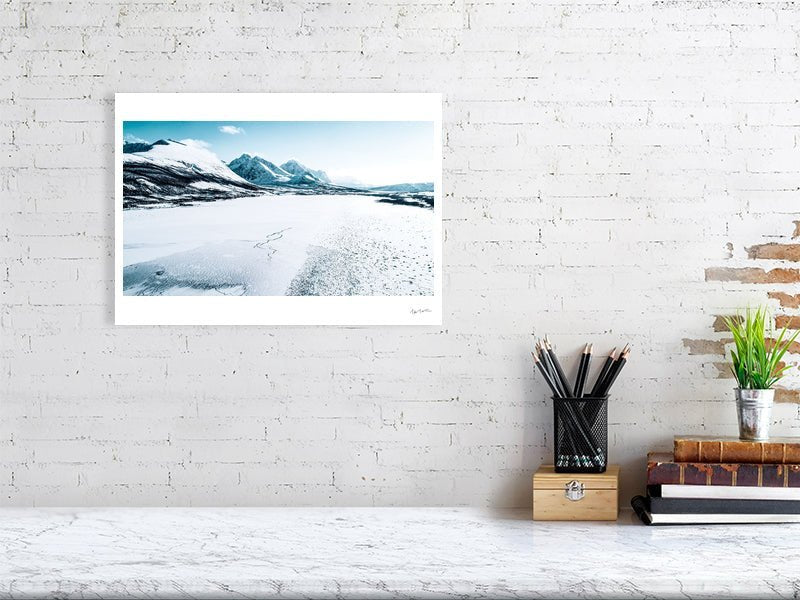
382 553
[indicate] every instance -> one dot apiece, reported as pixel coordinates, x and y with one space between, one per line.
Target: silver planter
754 409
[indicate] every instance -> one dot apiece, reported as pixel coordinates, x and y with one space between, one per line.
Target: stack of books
722 480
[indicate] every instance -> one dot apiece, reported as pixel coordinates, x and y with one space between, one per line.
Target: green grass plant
756 358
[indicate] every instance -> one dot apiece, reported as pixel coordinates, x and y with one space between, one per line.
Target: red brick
719 322
794 347
723 370
753 275
712 347
789 321
782 395
787 300
775 251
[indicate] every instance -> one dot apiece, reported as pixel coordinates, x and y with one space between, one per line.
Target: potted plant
756 364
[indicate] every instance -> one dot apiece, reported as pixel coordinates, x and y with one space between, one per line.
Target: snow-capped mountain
302 172
259 170
168 172
180 155
173 172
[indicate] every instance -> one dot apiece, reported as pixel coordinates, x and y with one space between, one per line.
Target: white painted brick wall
598 157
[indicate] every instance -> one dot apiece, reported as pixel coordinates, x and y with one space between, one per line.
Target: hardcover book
733 450
641 506
712 506
662 468
723 492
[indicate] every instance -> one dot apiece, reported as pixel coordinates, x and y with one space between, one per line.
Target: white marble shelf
382 553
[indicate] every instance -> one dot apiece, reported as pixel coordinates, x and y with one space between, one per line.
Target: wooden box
575 496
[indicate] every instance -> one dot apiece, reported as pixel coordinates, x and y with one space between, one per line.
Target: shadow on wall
536 443
108 217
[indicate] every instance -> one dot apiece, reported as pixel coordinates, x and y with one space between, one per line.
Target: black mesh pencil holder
581 435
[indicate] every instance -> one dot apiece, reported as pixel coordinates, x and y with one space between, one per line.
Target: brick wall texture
613 171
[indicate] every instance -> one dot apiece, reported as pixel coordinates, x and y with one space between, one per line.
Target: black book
642 505
713 506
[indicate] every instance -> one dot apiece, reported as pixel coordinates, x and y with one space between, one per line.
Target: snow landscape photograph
321 218
277 208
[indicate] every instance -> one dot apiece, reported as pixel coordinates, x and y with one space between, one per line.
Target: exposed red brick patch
753 275
713 347
786 300
723 370
719 322
794 347
780 321
771 278
782 395
790 321
775 251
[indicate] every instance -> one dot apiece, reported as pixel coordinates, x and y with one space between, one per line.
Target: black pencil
583 369
545 366
547 359
539 354
614 373
545 374
598 383
579 372
605 385
559 371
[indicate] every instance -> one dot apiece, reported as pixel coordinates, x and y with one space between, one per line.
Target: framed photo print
278 209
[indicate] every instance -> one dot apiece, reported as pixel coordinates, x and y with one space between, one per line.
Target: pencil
545 374
539 354
547 359
583 369
559 371
612 376
605 385
598 383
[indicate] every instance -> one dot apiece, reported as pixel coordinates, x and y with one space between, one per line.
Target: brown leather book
663 469
782 451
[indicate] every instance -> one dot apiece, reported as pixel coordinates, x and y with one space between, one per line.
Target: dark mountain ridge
130 147
168 172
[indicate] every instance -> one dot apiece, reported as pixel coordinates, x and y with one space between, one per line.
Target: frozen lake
279 245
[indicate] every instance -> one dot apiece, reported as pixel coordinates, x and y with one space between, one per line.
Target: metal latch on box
573 490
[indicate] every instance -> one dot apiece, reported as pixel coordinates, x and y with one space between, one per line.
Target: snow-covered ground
272 245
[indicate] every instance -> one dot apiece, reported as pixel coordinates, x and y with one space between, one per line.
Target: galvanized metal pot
754 408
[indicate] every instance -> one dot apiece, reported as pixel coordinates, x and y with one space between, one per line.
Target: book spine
732 451
744 474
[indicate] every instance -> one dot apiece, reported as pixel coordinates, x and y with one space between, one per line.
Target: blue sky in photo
369 152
